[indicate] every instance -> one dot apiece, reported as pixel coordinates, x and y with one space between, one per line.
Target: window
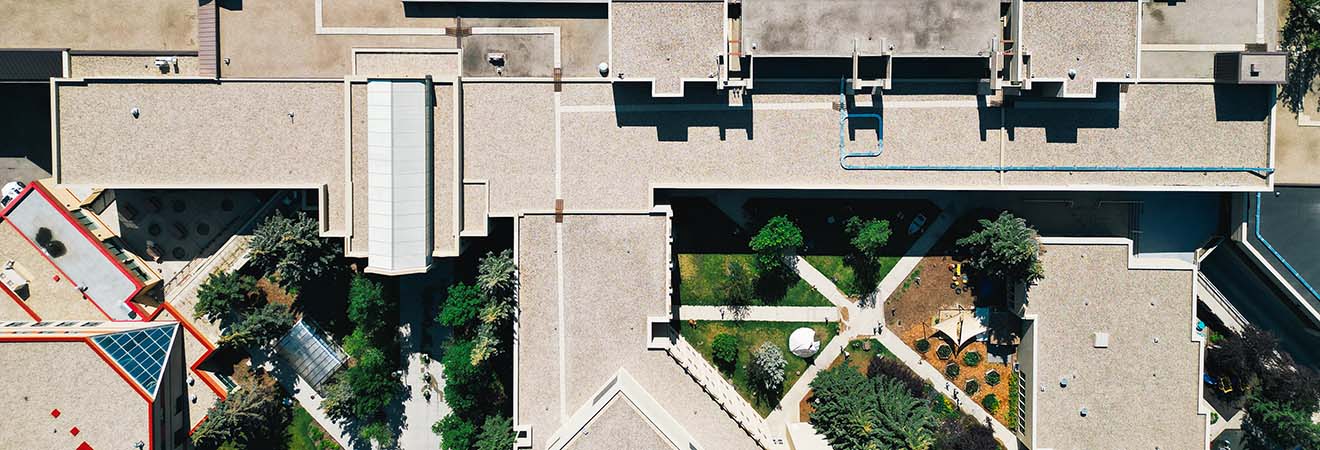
181 403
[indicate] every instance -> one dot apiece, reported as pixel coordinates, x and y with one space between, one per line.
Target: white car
10 192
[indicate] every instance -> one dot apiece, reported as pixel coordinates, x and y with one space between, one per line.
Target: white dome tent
803 342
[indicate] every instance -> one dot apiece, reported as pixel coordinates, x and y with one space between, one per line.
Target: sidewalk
760 313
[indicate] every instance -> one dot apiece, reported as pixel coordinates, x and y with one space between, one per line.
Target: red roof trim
210 348
41 190
20 302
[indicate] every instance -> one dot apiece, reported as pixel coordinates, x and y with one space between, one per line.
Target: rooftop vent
1063 382
1102 340
1084 411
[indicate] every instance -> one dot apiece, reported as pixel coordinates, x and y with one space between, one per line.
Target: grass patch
844 275
702 276
860 357
306 434
750 335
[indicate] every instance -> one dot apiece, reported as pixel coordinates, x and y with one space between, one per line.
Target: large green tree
1005 248
496 434
779 236
767 369
367 306
223 293
260 327
498 279
461 308
868 237
456 433
248 417
292 250
880 413
1301 39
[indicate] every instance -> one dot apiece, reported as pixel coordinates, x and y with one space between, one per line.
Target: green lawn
306 434
751 335
841 273
702 275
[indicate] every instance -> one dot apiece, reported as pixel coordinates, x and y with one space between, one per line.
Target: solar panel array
141 353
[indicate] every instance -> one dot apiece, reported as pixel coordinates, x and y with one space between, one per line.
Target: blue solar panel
141 353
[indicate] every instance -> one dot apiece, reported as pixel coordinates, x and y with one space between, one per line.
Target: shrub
1005 248
455 432
971 386
944 352
496 434
992 378
923 346
767 370
991 403
971 359
725 350
964 433
952 370
1012 398
779 235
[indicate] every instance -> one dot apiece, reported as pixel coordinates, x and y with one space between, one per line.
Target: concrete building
1110 356
417 122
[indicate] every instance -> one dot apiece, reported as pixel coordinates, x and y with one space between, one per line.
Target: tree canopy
880 413
222 293
778 236
1005 248
461 307
496 434
248 417
260 327
868 237
291 249
367 306
767 369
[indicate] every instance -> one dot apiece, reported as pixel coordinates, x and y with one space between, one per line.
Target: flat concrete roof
91 25
613 275
828 28
667 41
45 296
40 377
1095 40
73 253
205 134
1143 391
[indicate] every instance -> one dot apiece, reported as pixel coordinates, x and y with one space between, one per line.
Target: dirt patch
274 293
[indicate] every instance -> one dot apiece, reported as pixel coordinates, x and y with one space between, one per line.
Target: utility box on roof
1251 68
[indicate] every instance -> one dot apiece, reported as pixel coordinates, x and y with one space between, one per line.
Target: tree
892 368
260 327
498 276
1280 425
456 433
777 237
965 433
1244 356
291 249
854 412
248 416
470 390
372 383
367 307
1005 248
496 434
1301 39
380 433
740 286
725 350
462 307
223 292
868 237
767 369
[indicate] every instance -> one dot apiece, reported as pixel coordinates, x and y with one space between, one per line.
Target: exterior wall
1026 364
169 418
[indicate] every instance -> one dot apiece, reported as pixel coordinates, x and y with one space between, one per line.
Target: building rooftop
836 28
617 279
1145 381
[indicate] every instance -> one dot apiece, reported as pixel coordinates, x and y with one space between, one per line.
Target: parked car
918 224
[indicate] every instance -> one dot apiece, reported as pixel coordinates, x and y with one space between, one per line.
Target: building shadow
508 10
673 117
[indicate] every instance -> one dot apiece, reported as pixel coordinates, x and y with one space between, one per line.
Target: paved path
420 335
760 313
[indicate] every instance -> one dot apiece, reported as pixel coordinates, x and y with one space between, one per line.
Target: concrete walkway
420 352
760 313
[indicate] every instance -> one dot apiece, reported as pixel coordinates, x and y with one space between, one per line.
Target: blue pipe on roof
1283 260
844 154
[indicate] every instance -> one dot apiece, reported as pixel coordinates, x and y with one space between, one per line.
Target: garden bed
701 334
702 277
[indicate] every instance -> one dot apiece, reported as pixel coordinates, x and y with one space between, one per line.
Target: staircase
724 394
